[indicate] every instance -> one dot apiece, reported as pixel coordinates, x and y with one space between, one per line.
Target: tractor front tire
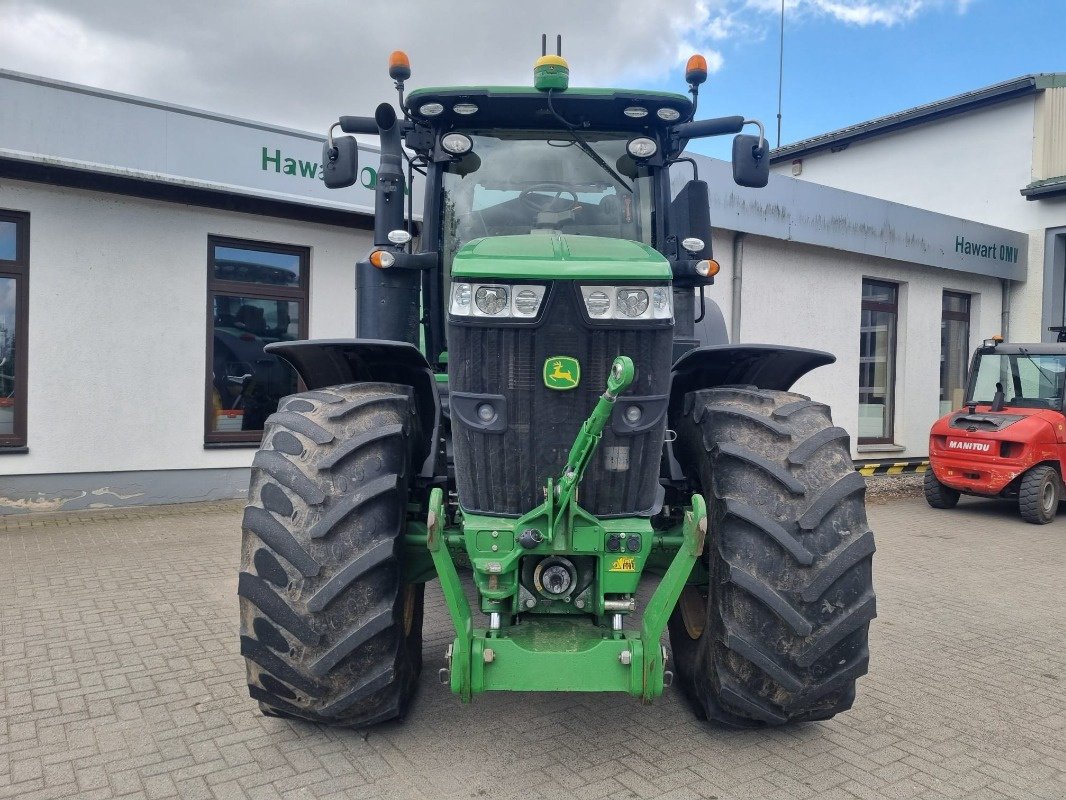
1039 495
329 631
937 494
779 632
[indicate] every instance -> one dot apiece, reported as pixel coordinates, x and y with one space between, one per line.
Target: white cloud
48 41
303 64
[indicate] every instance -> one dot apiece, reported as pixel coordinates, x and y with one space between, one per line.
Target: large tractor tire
329 631
1039 495
779 633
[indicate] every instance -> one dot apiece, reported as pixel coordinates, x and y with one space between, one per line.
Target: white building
148 251
996 155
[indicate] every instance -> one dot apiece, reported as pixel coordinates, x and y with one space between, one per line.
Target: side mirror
690 217
340 163
751 163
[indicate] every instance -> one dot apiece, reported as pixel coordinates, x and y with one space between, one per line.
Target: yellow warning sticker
624 564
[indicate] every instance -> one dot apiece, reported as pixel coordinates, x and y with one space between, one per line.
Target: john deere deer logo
561 372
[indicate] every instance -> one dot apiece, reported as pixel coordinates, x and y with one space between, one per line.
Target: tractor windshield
1028 381
516 182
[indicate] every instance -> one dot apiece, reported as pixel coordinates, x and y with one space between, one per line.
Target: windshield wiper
586 148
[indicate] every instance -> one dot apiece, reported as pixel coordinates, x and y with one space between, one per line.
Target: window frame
253 291
19 269
890 390
957 316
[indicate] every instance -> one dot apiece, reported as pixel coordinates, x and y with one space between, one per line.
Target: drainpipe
1004 316
738 283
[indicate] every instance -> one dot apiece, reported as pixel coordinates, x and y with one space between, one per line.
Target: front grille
505 473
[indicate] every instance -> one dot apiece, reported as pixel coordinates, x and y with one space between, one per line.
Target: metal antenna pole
780 72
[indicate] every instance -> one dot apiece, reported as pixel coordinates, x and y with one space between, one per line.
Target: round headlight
641 147
466 109
486 412
633 414
526 302
668 114
632 302
491 300
636 112
598 304
430 109
456 143
461 294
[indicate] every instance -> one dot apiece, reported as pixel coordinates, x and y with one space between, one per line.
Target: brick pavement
120 677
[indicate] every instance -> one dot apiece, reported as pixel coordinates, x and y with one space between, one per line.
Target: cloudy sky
302 64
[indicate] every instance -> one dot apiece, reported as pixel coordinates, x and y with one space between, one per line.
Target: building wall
809 296
117 325
972 166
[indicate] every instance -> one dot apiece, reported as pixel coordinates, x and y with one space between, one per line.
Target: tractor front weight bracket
567 651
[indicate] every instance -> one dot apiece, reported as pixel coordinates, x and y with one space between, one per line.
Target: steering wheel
538 197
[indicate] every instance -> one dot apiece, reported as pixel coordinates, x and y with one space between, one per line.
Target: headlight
491 300
641 147
635 112
456 143
632 302
465 109
430 109
598 304
668 114
460 298
628 302
496 300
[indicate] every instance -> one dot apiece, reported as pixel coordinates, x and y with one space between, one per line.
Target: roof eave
920 115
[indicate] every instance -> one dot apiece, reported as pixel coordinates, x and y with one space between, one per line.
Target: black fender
322 363
767 366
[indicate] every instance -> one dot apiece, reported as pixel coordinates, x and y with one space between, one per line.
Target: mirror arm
692 161
762 132
329 141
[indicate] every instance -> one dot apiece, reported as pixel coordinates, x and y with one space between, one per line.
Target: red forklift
1010 439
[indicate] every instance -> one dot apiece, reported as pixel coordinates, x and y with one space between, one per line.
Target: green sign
562 373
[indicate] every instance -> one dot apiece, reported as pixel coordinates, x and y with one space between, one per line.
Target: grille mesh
505 473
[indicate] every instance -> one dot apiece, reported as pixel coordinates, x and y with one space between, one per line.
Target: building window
877 361
954 350
256 295
14 301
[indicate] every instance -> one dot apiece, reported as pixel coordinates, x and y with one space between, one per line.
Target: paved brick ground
120 676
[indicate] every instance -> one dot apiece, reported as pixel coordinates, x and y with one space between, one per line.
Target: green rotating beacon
542 393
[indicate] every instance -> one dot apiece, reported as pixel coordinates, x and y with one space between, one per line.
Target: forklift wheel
329 631
1039 495
937 494
779 632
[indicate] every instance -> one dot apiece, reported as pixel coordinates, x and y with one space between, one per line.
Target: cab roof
1018 348
526 107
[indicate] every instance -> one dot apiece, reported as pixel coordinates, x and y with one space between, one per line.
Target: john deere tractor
541 393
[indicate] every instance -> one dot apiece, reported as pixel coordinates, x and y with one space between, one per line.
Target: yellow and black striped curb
869 468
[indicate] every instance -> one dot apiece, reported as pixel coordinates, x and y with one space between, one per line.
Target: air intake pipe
387 299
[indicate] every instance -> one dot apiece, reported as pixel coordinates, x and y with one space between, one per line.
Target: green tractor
541 393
